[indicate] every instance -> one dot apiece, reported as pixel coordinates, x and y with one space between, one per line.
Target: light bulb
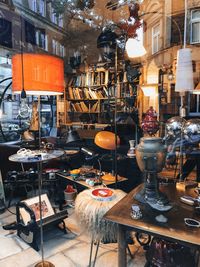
24 109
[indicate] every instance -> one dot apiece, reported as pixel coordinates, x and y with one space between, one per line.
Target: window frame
192 21
157 36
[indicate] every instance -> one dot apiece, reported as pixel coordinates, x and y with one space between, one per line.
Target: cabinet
92 97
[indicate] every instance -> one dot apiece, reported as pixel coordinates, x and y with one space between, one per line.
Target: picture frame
34 204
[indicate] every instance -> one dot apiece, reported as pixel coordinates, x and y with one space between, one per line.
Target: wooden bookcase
90 96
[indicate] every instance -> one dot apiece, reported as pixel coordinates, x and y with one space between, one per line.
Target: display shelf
95 93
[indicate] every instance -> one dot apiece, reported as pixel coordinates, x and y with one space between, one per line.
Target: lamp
184 71
38 74
72 136
149 89
135 48
109 141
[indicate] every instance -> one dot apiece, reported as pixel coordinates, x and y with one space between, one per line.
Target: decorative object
150 125
38 74
102 194
131 151
136 212
70 193
150 156
34 204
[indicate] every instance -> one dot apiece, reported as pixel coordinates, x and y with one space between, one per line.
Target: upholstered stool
90 209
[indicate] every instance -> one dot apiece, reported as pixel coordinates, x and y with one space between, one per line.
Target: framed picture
34 204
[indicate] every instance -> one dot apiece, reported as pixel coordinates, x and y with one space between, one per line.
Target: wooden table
83 182
174 230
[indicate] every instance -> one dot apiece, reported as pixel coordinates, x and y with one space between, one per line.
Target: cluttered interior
99 133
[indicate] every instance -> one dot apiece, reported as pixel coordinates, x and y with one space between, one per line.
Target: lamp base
44 264
151 195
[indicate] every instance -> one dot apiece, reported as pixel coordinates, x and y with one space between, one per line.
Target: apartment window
155 39
30 33
55 47
194 105
56 18
5 33
39 6
41 39
62 51
195 26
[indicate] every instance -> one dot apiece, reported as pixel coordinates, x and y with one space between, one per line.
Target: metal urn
150 156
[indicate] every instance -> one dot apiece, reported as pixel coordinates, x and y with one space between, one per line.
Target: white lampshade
184 71
149 89
135 48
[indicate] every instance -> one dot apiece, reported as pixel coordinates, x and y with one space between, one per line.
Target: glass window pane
196 14
196 32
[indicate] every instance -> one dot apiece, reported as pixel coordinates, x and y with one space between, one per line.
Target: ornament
150 125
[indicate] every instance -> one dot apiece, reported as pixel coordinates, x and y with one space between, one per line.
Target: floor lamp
184 79
37 75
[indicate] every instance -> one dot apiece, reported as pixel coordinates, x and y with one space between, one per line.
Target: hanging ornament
150 125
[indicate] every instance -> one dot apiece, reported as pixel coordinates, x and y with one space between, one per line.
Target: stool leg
91 249
97 248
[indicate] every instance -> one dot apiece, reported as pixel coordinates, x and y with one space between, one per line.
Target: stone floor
63 250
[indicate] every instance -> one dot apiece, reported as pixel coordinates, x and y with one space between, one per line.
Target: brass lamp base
44 264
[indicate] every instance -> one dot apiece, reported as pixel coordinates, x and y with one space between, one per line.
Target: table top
83 182
174 229
34 156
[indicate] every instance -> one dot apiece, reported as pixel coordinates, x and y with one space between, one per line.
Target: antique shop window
155 38
195 26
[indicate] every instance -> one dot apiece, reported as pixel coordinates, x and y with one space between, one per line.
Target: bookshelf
90 97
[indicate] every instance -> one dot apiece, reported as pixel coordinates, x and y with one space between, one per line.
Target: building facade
164 35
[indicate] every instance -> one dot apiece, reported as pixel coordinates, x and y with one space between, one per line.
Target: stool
90 212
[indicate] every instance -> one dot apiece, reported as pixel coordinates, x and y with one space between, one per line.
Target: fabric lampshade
106 140
37 74
184 71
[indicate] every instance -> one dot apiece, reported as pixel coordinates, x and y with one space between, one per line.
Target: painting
34 204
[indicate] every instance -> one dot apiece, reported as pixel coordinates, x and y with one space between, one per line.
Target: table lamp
109 141
38 74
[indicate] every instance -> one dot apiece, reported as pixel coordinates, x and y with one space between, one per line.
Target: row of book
83 107
97 78
87 93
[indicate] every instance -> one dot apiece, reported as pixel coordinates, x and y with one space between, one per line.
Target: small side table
90 212
38 157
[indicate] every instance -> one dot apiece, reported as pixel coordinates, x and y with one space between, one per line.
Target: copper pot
151 154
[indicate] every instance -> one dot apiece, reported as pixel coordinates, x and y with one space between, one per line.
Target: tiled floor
63 250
